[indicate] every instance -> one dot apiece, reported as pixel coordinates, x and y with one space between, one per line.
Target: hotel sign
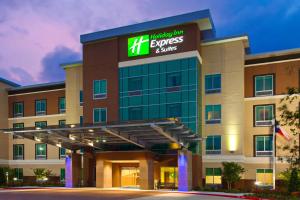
158 43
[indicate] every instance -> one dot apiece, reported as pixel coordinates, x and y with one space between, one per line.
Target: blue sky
37 35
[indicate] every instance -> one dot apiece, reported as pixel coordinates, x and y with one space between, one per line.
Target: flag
282 132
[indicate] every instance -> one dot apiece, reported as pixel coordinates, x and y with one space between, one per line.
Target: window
100 115
263 145
173 82
264 115
18 109
18 151
213 83
41 124
264 177
62 153
62 175
135 86
62 123
135 113
100 89
18 126
213 176
40 107
213 114
81 120
18 174
174 110
81 97
213 144
62 105
264 85
40 151
169 176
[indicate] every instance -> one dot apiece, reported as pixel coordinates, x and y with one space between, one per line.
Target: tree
42 174
231 173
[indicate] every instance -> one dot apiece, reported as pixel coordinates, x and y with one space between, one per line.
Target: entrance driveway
94 194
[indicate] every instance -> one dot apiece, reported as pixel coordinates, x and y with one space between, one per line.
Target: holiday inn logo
138 46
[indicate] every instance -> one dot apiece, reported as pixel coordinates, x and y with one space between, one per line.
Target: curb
223 195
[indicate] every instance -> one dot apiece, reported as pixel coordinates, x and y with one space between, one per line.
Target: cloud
17 75
51 70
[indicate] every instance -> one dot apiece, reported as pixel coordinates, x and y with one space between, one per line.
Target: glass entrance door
130 177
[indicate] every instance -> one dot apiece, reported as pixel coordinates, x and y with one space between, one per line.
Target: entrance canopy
110 136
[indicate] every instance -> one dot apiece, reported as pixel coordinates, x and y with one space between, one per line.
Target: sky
38 35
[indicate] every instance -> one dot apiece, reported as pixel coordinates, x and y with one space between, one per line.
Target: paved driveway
94 194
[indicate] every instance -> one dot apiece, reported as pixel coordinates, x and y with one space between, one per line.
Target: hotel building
160 104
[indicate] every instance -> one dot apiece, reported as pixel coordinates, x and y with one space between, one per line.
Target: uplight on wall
232 143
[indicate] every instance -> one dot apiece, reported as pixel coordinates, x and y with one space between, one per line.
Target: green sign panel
138 46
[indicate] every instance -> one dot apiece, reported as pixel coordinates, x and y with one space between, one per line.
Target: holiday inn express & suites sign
158 43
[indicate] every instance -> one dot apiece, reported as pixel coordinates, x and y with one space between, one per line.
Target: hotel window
18 126
100 89
213 144
40 107
173 81
62 123
212 83
40 151
264 85
135 113
263 145
264 115
213 176
41 124
100 115
81 97
264 177
62 153
213 114
18 109
18 174
174 110
81 120
62 105
169 176
18 151
135 85
62 175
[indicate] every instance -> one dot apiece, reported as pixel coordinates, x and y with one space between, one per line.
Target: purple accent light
69 175
183 171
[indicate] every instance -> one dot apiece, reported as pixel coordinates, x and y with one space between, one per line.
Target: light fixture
37 139
72 125
91 144
103 140
97 140
71 137
91 130
41 148
37 128
257 182
15 178
58 145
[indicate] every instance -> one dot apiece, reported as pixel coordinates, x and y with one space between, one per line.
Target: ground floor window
169 177
62 174
213 176
18 174
264 177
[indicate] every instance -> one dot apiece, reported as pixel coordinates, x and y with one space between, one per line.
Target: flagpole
274 156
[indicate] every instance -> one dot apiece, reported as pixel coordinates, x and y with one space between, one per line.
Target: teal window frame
213 144
18 109
100 89
135 113
81 98
41 107
174 110
81 120
211 114
41 124
263 145
62 153
62 123
18 151
264 85
62 105
41 151
62 176
18 174
18 126
213 83
173 79
99 114
264 114
135 86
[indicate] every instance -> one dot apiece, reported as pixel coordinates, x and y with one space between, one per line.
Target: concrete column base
146 174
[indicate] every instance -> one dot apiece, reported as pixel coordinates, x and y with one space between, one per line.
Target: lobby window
81 98
213 144
263 145
40 107
62 153
41 124
173 81
264 177
213 176
18 174
62 175
212 83
174 110
40 151
100 89
169 176
62 123
264 85
213 114
264 115
135 113
135 85
100 115
62 105
18 109
18 151
18 126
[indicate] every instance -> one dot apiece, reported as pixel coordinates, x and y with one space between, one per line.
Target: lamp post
273 154
6 174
